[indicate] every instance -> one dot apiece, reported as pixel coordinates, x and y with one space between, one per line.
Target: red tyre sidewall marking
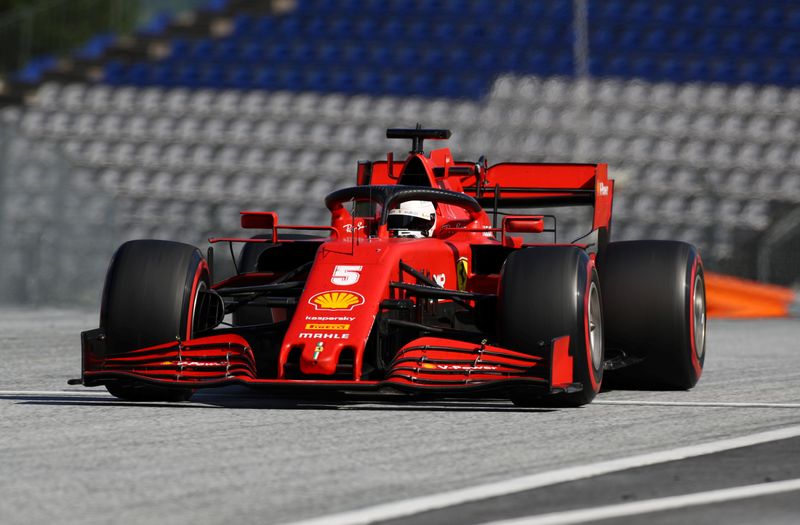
586 297
698 368
203 266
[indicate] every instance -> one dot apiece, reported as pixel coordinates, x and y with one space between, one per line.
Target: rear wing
521 185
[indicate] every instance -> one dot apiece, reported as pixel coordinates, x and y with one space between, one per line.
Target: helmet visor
407 222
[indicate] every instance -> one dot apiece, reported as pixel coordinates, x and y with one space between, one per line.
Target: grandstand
269 104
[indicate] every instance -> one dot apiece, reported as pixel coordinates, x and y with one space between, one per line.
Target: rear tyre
654 301
149 299
548 292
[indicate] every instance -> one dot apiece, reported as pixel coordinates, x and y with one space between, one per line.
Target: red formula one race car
433 276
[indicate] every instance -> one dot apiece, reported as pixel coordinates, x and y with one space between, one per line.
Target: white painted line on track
721 404
84 392
636 508
411 506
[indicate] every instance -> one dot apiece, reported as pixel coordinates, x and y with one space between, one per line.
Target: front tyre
547 292
150 298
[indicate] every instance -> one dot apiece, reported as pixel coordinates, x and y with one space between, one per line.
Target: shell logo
333 300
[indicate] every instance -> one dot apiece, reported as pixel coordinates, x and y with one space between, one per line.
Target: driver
415 219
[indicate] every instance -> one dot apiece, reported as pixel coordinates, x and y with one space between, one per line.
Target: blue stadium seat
201 49
723 70
777 72
733 42
759 42
607 11
645 67
665 13
215 5
669 68
639 10
655 39
677 40
792 18
681 39
226 50
719 15
137 74
601 37
692 14
243 25
771 16
749 71
180 48
188 74
789 45
157 24
264 78
264 27
113 72
289 26
212 75
34 69
96 46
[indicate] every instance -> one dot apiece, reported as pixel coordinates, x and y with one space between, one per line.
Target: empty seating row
718 13
742 99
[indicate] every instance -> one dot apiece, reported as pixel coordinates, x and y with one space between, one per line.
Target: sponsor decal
318 350
193 363
346 274
330 318
602 189
322 335
462 273
431 366
327 326
348 228
440 279
335 300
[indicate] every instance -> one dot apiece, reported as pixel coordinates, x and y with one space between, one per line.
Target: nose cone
320 358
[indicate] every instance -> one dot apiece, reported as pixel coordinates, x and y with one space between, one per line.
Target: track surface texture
76 455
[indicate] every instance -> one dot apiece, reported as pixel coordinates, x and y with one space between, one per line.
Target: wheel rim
699 320
595 327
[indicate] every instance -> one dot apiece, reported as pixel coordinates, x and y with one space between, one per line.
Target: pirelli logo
327 326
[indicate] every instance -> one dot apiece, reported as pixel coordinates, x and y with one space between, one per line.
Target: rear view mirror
260 220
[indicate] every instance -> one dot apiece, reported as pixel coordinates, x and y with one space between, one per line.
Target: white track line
408 507
722 404
54 392
636 508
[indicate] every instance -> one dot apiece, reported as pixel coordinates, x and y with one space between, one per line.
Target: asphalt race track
726 452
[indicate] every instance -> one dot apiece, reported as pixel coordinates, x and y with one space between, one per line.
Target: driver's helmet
412 219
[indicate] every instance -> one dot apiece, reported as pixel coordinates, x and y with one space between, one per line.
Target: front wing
427 364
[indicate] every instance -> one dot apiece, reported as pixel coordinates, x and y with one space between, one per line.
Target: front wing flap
439 364
196 361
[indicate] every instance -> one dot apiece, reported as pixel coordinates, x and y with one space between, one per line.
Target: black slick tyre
547 292
149 298
654 302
